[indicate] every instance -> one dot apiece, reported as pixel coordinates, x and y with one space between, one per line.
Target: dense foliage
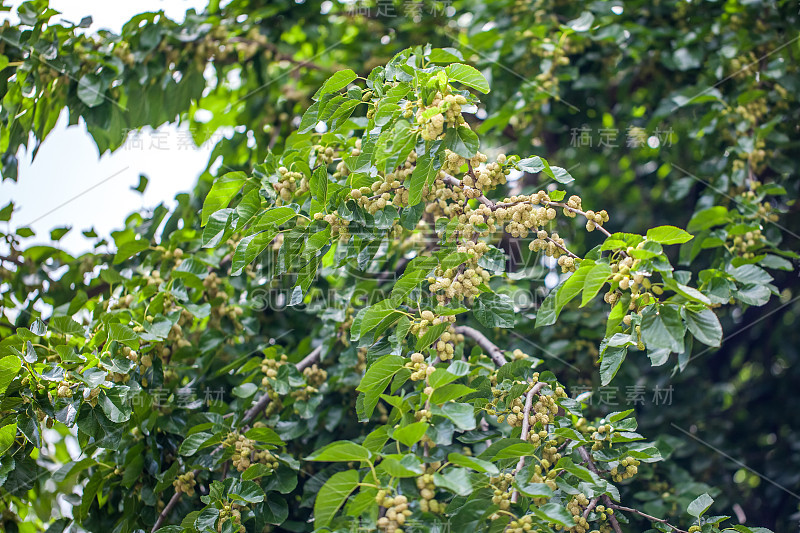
386 309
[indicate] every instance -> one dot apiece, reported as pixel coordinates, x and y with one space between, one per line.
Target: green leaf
332 496
407 282
375 315
310 118
561 175
193 443
340 451
579 471
7 435
612 359
410 434
142 184
91 89
534 164
5 212
469 76
422 175
460 414
519 449
662 328
704 325
9 367
247 208
256 471
478 465
706 218
537 164
265 435
445 55
595 279
249 248
553 512
337 82
494 310
582 23
450 392
535 490
573 286
58 233
207 519
408 466
376 379
462 141
217 227
129 249
221 193
433 333
687 292
441 377
668 235
123 334
455 480
247 491
319 185
546 315
65 325
700 505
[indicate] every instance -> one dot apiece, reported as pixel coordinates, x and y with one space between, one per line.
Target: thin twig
578 211
647 516
564 249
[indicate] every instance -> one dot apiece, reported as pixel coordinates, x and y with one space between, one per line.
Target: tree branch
491 348
14 260
262 402
310 359
586 456
526 427
168 508
589 507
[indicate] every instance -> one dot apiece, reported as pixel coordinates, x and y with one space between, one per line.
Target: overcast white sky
68 164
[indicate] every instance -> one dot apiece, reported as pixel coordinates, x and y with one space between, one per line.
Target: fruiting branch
586 456
249 416
262 402
526 426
